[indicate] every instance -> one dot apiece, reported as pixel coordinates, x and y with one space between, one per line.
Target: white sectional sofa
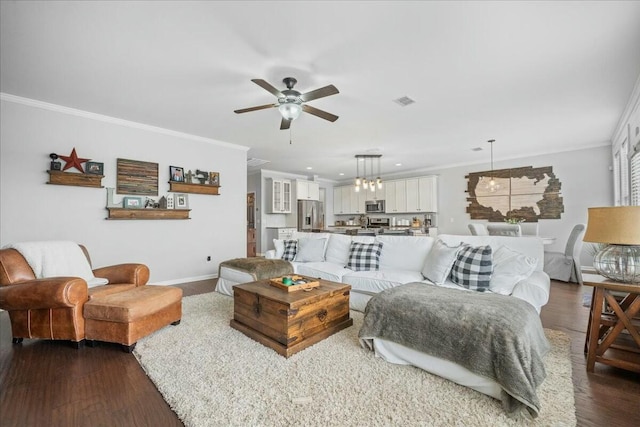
402 260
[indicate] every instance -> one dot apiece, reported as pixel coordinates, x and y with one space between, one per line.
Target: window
634 171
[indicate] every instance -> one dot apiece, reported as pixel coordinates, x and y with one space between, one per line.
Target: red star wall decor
73 161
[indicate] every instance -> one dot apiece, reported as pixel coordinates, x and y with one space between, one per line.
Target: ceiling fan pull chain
289 136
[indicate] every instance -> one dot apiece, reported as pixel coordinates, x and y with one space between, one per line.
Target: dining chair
565 266
497 229
478 229
529 228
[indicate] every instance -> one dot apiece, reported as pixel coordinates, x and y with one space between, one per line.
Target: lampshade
614 225
290 110
619 228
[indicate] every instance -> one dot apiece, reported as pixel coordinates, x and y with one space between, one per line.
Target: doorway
251 224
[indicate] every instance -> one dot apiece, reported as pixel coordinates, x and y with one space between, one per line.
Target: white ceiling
539 77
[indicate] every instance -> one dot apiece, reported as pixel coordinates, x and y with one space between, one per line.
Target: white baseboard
185 280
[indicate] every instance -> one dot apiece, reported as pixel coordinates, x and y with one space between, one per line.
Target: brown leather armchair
52 308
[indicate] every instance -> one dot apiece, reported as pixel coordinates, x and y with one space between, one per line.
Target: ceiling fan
291 102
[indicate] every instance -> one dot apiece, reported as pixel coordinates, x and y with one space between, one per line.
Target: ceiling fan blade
319 93
322 114
285 124
260 107
267 86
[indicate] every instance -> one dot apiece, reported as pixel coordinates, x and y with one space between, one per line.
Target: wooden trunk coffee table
289 322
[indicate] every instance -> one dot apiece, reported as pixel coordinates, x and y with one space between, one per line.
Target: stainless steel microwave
374 206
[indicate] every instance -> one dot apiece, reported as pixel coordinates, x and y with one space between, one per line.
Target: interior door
251 224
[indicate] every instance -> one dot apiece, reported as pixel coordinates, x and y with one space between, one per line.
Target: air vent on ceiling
477 149
252 162
404 101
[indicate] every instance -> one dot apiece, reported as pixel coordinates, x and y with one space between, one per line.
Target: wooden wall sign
527 192
136 177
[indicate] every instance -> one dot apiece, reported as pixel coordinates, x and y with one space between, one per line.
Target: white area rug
213 375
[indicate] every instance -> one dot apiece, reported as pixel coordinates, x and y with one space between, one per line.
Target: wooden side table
607 321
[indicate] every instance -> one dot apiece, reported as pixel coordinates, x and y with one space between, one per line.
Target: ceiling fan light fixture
290 110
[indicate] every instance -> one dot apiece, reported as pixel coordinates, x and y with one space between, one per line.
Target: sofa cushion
404 252
290 248
364 256
279 245
310 250
473 267
375 281
509 267
439 261
323 270
530 246
338 249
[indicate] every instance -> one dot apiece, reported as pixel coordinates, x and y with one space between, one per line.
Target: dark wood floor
49 383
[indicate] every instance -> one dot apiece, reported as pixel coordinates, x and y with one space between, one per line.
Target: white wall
174 250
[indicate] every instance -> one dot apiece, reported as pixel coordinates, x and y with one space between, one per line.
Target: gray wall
174 250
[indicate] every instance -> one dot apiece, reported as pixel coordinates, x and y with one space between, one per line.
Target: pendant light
492 186
363 181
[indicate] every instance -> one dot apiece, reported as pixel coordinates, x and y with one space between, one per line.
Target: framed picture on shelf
95 168
181 201
132 203
214 178
176 174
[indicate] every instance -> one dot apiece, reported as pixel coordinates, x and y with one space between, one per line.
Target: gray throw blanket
494 336
259 268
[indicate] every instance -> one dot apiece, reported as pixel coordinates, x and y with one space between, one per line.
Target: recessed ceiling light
341 174
309 168
398 164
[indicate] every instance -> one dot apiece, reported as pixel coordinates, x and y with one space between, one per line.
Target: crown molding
113 120
632 104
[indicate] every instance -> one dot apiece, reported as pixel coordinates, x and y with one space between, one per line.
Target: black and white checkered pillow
473 268
364 256
290 249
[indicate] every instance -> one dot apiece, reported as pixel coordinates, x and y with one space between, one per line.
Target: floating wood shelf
122 213
76 179
183 187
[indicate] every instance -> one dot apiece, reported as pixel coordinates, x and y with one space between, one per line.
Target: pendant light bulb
379 182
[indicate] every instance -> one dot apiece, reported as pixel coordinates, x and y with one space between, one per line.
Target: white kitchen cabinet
307 190
396 196
280 192
427 194
413 199
422 194
337 200
343 200
358 200
346 199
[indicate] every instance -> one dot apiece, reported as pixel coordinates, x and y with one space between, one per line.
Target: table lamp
619 228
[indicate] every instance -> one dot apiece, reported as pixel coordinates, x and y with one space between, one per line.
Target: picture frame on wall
181 201
176 174
214 178
94 168
130 202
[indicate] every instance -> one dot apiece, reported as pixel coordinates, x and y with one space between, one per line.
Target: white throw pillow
439 262
279 245
509 267
310 250
338 249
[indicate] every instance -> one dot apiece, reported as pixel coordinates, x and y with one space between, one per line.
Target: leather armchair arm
53 292
138 274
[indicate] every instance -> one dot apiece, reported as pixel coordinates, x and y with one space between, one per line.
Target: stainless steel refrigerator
310 215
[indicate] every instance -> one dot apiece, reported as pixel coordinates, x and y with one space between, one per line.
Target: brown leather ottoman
127 316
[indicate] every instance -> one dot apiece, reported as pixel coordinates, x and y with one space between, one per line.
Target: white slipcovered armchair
565 266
